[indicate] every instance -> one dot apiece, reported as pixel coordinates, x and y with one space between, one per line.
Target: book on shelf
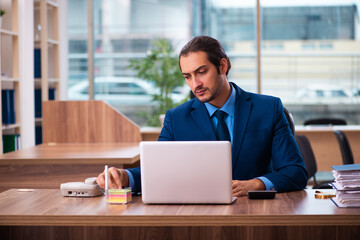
38 100
11 142
8 106
37 63
347 185
38 135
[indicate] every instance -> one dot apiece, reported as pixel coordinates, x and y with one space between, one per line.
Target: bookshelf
46 21
18 40
46 43
10 72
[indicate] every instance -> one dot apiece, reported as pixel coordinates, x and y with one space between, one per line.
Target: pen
106 181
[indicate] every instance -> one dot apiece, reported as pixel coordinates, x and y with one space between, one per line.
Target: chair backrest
307 154
290 119
345 148
325 121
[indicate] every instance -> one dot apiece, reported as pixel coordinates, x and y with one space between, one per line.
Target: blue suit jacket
262 145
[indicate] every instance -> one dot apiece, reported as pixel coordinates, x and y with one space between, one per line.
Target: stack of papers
347 185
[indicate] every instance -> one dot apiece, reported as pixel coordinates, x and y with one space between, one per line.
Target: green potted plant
160 67
2 13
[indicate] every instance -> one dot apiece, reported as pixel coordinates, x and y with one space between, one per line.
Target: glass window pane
309 49
123 30
233 24
317 64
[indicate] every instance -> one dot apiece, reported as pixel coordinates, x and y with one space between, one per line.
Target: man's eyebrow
196 70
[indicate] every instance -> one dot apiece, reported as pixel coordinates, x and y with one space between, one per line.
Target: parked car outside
118 91
326 94
356 91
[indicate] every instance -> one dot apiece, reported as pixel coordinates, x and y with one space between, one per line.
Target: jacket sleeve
167 133
137 178
289 168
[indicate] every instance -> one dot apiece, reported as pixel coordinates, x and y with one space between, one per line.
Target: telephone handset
88 188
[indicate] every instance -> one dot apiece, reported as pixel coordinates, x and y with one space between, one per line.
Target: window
233 24
310 49
123 30
317 64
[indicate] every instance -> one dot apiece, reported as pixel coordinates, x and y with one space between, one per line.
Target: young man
264 152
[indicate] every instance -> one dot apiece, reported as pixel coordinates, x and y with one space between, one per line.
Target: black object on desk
262 194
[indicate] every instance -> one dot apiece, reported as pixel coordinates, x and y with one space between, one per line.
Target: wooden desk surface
44 207
150 133
74 153
320 128
299 128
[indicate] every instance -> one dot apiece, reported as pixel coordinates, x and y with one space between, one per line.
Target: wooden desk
150 133
295 215
75 153
49 165
325 145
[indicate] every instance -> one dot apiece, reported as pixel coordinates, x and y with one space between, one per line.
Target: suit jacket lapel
202 119
242 114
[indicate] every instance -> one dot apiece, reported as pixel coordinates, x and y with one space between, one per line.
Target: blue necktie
222 131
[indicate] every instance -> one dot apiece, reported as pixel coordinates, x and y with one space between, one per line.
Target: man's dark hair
212 47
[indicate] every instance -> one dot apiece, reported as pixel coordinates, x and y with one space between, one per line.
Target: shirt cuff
131 180
268 184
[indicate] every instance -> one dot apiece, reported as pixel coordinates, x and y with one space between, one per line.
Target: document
347 185
347 199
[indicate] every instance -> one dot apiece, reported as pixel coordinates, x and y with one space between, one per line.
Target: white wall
26 49
63 48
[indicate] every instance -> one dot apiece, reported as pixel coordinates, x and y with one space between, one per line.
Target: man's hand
241 188
118 178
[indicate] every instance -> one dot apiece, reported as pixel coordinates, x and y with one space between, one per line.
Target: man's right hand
118 178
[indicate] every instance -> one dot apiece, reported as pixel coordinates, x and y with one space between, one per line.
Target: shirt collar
228 107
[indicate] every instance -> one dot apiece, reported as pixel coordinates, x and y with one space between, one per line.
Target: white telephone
89 188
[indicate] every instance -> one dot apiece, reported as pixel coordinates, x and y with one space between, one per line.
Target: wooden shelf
53 42
10 64
49 67
50 80
7 79
38 120
49 3
10 126
54 80
48 18
49 41
9 33
15 54
52 4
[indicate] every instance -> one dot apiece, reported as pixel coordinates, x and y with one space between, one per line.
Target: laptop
186 172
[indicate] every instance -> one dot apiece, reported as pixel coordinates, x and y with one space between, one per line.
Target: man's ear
223 66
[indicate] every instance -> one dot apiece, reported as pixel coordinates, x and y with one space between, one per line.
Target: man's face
202 76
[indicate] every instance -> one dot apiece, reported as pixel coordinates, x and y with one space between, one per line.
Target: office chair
290 119
345 148
310 161
325 121
306 152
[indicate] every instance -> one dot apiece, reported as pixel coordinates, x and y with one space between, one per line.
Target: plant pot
0 21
